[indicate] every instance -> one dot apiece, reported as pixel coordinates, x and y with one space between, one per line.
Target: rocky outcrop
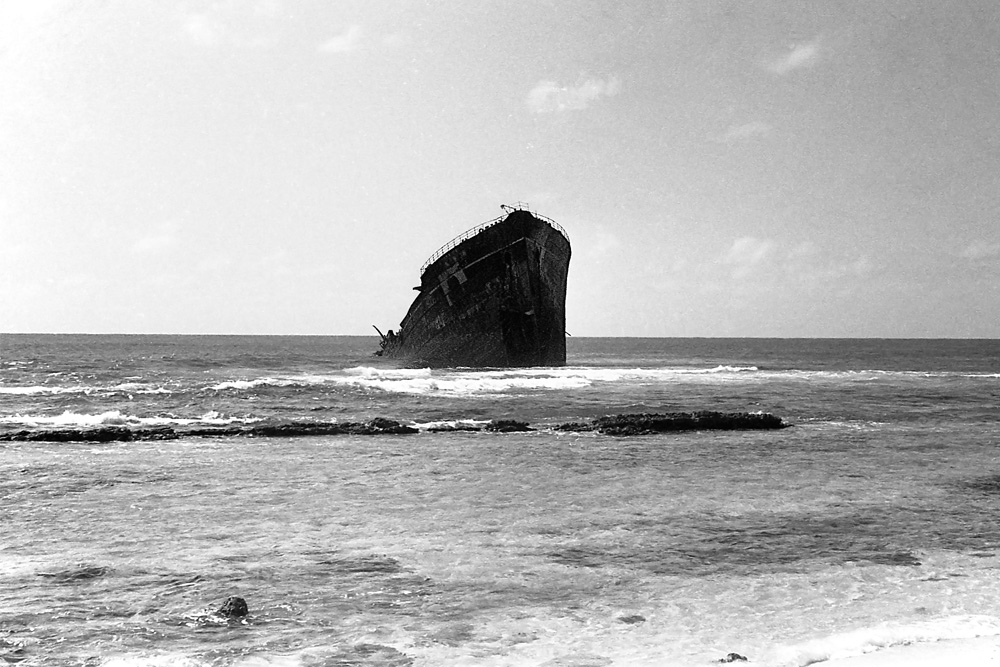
632 619
376 426
622 424
647 423
507 426
234 607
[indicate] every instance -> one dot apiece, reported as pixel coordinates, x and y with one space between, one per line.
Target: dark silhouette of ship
494 296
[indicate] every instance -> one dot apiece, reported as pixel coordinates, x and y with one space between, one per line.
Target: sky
723 168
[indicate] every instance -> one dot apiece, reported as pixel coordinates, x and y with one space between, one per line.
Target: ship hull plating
496 299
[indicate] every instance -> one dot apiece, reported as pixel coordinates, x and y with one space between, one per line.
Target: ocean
871 523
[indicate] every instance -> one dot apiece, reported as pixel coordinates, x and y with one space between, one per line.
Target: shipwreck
495 296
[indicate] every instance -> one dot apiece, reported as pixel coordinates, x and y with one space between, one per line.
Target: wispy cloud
752 261
550 97
159 241
979 250
799 55
234 25
744 132
746 253
347 41
201 29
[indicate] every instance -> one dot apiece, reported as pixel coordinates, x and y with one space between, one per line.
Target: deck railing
480 227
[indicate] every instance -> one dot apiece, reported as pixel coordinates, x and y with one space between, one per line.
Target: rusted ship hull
494 297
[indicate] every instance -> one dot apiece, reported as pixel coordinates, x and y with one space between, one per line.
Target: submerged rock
234 607
632 619
82 573
733 657
364 564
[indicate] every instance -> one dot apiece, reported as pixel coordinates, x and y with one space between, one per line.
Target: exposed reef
618 425
234 607
508 426
646 423
377 426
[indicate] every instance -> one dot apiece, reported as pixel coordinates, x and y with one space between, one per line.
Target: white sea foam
728 369
69 419
867 640
126 387
42 389
163 660
451 424
138 388
242 385
470 382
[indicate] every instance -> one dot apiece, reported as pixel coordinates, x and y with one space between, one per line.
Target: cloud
798 56
157 242
347 41
234 25
979 250
754 262
745 132
550 97
747 252
202 30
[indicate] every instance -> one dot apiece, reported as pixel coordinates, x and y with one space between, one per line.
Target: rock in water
507 426
645 424
234 607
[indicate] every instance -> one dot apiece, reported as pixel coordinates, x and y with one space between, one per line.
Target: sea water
871 522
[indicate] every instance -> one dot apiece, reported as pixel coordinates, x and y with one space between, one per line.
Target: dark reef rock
363 565
733 657
988 485
575 427
290 429
448 428
376 426
12 652
646 423
379 426
902 558
622 424
234 607
507 426
632 619
83 573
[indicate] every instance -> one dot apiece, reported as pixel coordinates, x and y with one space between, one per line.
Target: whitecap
162 660
243 385
69 419
42 389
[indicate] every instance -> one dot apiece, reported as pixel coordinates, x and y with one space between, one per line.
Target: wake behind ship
494 296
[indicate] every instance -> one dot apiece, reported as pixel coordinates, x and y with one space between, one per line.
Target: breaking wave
69 419
124 387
